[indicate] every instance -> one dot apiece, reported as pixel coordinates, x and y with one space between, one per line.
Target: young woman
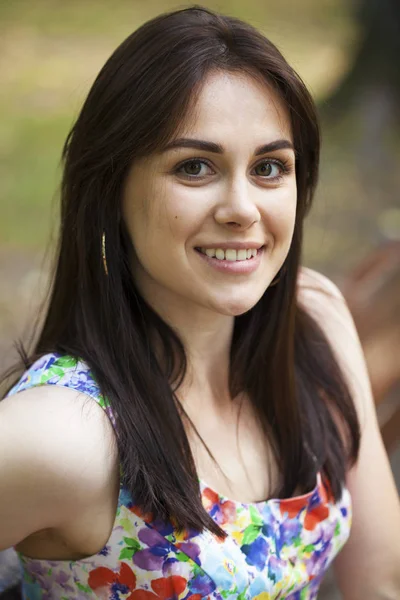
195 420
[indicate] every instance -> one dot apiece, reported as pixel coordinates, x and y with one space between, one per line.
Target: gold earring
103 252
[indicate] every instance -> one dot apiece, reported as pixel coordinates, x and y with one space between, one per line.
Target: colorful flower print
115 583
273 549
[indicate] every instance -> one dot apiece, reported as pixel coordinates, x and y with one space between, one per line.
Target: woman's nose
237 207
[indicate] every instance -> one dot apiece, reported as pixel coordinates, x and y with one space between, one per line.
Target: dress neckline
261 503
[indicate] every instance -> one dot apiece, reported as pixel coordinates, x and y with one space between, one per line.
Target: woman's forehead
235 102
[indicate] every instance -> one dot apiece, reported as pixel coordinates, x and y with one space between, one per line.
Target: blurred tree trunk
368 102
375 75
360 174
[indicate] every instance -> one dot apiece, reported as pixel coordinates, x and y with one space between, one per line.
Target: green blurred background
51 51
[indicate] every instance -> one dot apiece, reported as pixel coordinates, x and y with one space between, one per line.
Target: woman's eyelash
284 165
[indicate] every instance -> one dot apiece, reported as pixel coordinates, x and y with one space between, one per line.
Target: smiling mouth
230 254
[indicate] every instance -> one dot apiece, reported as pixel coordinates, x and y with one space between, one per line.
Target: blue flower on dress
256 553
286 533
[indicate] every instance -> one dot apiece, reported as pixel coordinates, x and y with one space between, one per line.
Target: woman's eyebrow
218 149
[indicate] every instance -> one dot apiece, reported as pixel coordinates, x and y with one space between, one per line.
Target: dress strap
66 371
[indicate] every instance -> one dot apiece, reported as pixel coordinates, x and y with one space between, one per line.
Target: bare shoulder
57 452
311 283
324 301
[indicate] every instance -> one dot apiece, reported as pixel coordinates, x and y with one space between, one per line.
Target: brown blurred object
372 291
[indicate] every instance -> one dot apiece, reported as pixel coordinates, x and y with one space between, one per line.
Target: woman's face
197 214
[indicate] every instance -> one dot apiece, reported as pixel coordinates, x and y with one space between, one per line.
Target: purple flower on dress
38 569
275 569
148 560
168 566
63 580
105 551
201 584
191 549
286 533
152 558
61 577
318 561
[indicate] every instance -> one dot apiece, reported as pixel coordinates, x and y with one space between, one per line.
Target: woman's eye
192 168
269 169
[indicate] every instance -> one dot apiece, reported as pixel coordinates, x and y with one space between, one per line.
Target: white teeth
230 255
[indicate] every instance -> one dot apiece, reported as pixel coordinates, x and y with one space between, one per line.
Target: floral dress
274 549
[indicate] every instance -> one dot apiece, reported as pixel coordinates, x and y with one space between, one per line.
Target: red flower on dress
293 506
136 510
222 511
164 588
318 505
320 511
316 515
103 577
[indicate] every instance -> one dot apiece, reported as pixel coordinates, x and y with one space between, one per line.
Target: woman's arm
55 459
368 568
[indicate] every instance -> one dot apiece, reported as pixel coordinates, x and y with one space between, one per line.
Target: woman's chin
235 307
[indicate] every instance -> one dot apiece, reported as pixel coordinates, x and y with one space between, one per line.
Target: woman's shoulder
322 299
65 426
60 451
58 401
313 284
325 303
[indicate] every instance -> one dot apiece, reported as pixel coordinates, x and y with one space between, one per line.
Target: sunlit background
347 52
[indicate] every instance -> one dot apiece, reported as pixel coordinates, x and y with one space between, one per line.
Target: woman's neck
206 337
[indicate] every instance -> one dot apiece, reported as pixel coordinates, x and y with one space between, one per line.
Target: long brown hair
279 356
